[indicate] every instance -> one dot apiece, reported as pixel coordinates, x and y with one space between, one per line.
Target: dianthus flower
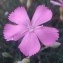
31 30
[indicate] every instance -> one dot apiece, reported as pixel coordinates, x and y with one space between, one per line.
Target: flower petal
30 44
19 16
41 15
55 3
47 35
61 1
13 32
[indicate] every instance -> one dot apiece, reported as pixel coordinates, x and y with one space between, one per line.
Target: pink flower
60 3
31 31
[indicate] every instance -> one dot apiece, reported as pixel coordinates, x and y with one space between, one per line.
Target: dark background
50 55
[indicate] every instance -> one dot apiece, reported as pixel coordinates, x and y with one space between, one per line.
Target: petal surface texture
41 15
13 32
47 35
30 44
19 16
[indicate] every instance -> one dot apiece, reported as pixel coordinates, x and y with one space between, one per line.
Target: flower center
31 28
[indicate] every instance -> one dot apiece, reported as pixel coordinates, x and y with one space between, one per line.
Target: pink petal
30 44
47 35
19 16
55 3
61 1
13 32
41 15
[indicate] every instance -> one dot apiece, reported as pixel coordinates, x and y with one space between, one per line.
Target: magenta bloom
32 31
59 3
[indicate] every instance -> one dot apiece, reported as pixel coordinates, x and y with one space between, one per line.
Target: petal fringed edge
30 44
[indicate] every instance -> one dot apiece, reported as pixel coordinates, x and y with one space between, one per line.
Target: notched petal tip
17 16
11 14
48 36
42 15
4 32
30 45
10 31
